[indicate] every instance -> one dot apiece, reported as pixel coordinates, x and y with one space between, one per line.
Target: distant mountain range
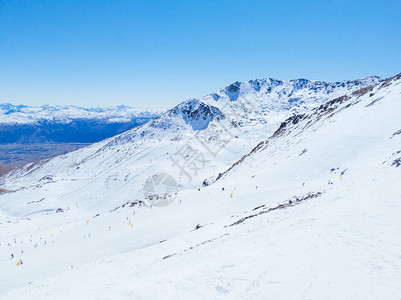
67 124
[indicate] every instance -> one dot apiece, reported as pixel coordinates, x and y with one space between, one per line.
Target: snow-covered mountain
262 100
306 204
219 127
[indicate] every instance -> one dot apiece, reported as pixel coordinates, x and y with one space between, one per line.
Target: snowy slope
284 233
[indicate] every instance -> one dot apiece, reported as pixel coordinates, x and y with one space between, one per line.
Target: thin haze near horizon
159 53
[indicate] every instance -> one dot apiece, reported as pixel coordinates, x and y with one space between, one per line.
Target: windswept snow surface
311 212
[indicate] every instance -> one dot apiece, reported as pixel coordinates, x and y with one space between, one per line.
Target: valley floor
19 154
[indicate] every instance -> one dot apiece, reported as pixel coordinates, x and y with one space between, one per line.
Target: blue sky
159 53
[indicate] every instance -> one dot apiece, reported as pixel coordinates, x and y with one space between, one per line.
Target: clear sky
159 53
